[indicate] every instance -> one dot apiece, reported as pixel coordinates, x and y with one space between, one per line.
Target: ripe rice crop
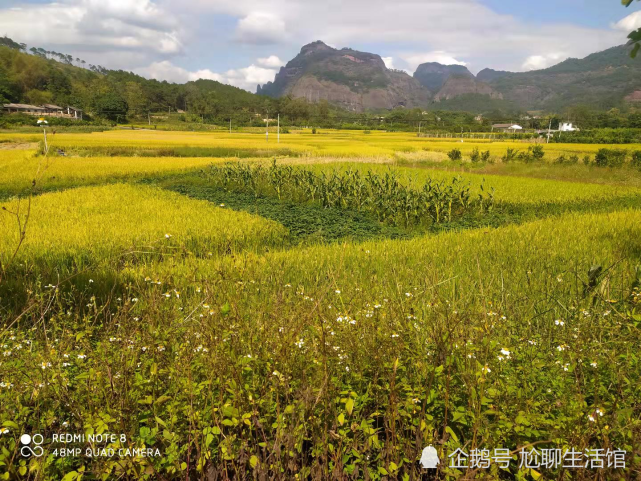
353 357
78 227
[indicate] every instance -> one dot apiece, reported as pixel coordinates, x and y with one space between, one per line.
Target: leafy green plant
455 154
635 160
475 156
510 155
610 157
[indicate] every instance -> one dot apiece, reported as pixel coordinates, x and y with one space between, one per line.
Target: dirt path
18 146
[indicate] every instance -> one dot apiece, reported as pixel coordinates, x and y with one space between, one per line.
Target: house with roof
47 110
507 128
22 109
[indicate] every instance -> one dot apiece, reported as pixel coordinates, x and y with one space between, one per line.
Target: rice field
224 330
297 143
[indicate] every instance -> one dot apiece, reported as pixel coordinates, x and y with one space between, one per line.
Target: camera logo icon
31 445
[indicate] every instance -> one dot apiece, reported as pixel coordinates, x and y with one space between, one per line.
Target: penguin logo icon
27 450
429 458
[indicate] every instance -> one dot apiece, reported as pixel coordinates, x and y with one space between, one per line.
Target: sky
245 42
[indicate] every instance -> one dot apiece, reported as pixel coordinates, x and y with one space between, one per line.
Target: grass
276 339
351 357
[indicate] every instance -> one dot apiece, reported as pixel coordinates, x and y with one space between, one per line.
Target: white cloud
245 78
629 23
271 61
96 27
414 60
261 28
537 62
389 62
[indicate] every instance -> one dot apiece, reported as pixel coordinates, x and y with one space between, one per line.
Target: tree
635 37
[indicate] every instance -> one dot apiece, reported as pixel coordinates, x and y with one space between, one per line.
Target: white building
567 127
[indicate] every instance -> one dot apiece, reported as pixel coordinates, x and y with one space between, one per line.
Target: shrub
485 156
475 156
635 161
561 159
510 155
573 159
455 154
313 130
587 160
536 152
610 157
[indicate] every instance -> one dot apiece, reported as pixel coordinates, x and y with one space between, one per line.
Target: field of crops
324 315
298 143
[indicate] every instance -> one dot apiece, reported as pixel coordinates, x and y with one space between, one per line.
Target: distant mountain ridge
360 81
348 78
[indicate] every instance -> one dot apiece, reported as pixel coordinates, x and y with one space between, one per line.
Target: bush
636 159
536 152
587 160
573 159
485 156
455 154
475 156
313 130
510 155
561 159
610 157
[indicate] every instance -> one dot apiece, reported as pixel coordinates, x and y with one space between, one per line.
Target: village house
46 110
507 128
567 127
22 109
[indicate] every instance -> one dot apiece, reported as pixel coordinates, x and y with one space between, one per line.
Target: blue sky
245 41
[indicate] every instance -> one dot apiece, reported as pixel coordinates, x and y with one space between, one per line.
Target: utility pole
278 135
267 128
419 129
230 125
549 127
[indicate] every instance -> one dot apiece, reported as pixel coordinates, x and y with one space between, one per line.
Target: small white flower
593 364
90 281
408 294
337 291
82 356
591 418
394 335
300 343
486 369
559 322
167 236
45 365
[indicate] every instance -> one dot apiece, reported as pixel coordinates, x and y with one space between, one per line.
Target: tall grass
345 361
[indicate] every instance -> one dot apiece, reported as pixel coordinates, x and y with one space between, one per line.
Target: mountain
601 80
488 75
433 75
350 79
457 85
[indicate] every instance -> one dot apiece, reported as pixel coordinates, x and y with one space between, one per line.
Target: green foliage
475 156
389 199
610 157
455 154
635 160
510 155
